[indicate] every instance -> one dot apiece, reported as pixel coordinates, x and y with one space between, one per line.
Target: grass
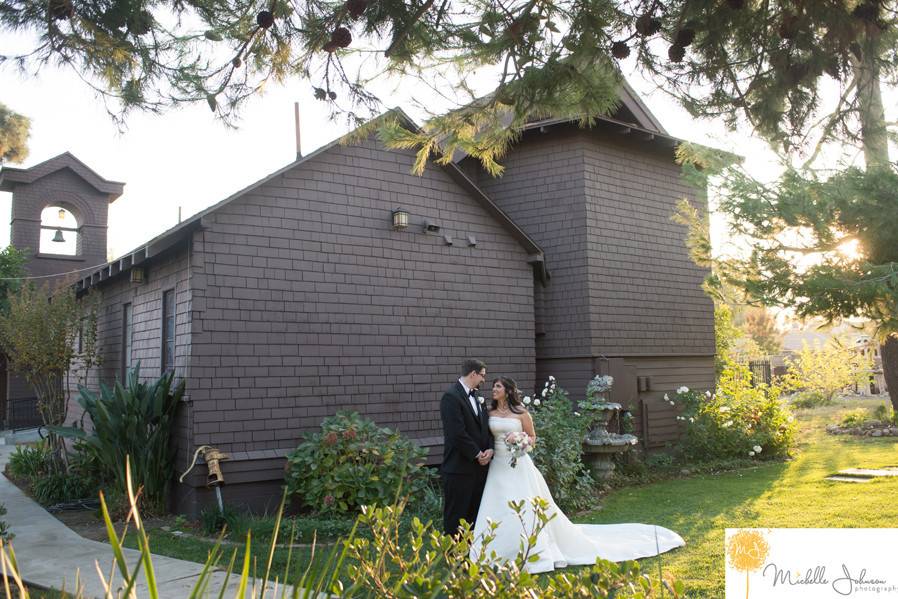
790 494
794 494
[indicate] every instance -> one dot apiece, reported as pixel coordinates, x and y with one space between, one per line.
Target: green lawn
779 495
793 494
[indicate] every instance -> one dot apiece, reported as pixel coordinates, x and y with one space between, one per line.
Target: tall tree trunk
889 353
875 142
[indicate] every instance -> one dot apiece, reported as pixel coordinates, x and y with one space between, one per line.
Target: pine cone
647 25
620 50
355 8
329 47
684 37
676 53
61 9
341 37
140 23
866 11
788 26
265 19
332 96
237 62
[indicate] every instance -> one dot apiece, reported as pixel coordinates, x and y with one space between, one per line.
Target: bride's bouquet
518 444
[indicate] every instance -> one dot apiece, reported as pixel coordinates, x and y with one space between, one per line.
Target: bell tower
60 211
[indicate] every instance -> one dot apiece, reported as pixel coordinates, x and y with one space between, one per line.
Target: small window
126 340
59 232
168 330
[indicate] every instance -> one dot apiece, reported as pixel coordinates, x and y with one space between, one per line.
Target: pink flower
328 500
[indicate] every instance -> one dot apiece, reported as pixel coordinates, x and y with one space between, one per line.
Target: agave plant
133 420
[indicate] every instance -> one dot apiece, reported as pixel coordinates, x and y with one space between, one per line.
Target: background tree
42 335
14 131
761 327
765 59
12 269
828 369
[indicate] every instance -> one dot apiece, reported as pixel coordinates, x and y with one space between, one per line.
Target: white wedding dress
561 543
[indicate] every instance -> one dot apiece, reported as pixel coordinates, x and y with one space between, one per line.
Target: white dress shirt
472 399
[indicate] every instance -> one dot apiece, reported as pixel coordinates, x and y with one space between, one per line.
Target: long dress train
561 543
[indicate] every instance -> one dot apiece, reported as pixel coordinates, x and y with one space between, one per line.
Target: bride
561 543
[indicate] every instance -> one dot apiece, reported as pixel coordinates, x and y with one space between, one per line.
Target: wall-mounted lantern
400 219
137 274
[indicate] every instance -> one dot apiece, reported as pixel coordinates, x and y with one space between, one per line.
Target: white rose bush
738 421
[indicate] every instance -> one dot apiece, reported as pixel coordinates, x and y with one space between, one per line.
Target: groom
467 447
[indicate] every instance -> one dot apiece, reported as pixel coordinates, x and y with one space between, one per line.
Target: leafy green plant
57 487
883 413
740 420
134 420
214 521
855 417
29 462
558 451
426 563
352 462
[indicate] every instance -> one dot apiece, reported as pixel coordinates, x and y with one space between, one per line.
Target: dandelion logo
747 550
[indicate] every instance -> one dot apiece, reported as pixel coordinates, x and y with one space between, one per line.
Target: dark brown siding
645 291
623 289
306 302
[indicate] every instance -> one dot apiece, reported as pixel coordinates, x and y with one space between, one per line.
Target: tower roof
11 177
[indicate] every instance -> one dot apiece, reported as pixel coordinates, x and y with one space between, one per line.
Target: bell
58 238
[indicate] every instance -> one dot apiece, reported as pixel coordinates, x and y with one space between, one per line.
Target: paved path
50 554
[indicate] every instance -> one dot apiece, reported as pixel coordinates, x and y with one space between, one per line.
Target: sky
187 159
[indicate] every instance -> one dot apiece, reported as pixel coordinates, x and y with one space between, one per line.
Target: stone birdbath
599 445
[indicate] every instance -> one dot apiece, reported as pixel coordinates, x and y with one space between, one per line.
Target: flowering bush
558 452
352 462
738 421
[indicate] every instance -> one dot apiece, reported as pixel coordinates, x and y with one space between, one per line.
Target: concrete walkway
50 554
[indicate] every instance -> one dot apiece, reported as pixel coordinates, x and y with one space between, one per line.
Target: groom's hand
484 457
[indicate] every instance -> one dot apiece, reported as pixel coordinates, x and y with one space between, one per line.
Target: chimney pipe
296 118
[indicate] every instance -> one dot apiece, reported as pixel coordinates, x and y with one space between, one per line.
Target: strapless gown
561 543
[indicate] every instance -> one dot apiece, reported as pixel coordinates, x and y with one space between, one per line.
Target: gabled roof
182 230
633 103
11 177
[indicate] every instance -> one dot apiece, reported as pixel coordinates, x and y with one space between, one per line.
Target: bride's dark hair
512 395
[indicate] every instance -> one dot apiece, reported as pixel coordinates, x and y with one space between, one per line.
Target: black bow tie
471 393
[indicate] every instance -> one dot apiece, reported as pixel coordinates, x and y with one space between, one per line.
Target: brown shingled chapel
297 297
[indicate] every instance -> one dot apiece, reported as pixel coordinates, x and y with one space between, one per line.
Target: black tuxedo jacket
464 434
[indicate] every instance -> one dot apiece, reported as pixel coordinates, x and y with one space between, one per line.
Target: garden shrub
379 564
558 452
739 421
29 462
352 462
855 417
61 487
36 467
134 420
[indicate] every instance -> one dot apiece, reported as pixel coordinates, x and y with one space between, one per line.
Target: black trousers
461 499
